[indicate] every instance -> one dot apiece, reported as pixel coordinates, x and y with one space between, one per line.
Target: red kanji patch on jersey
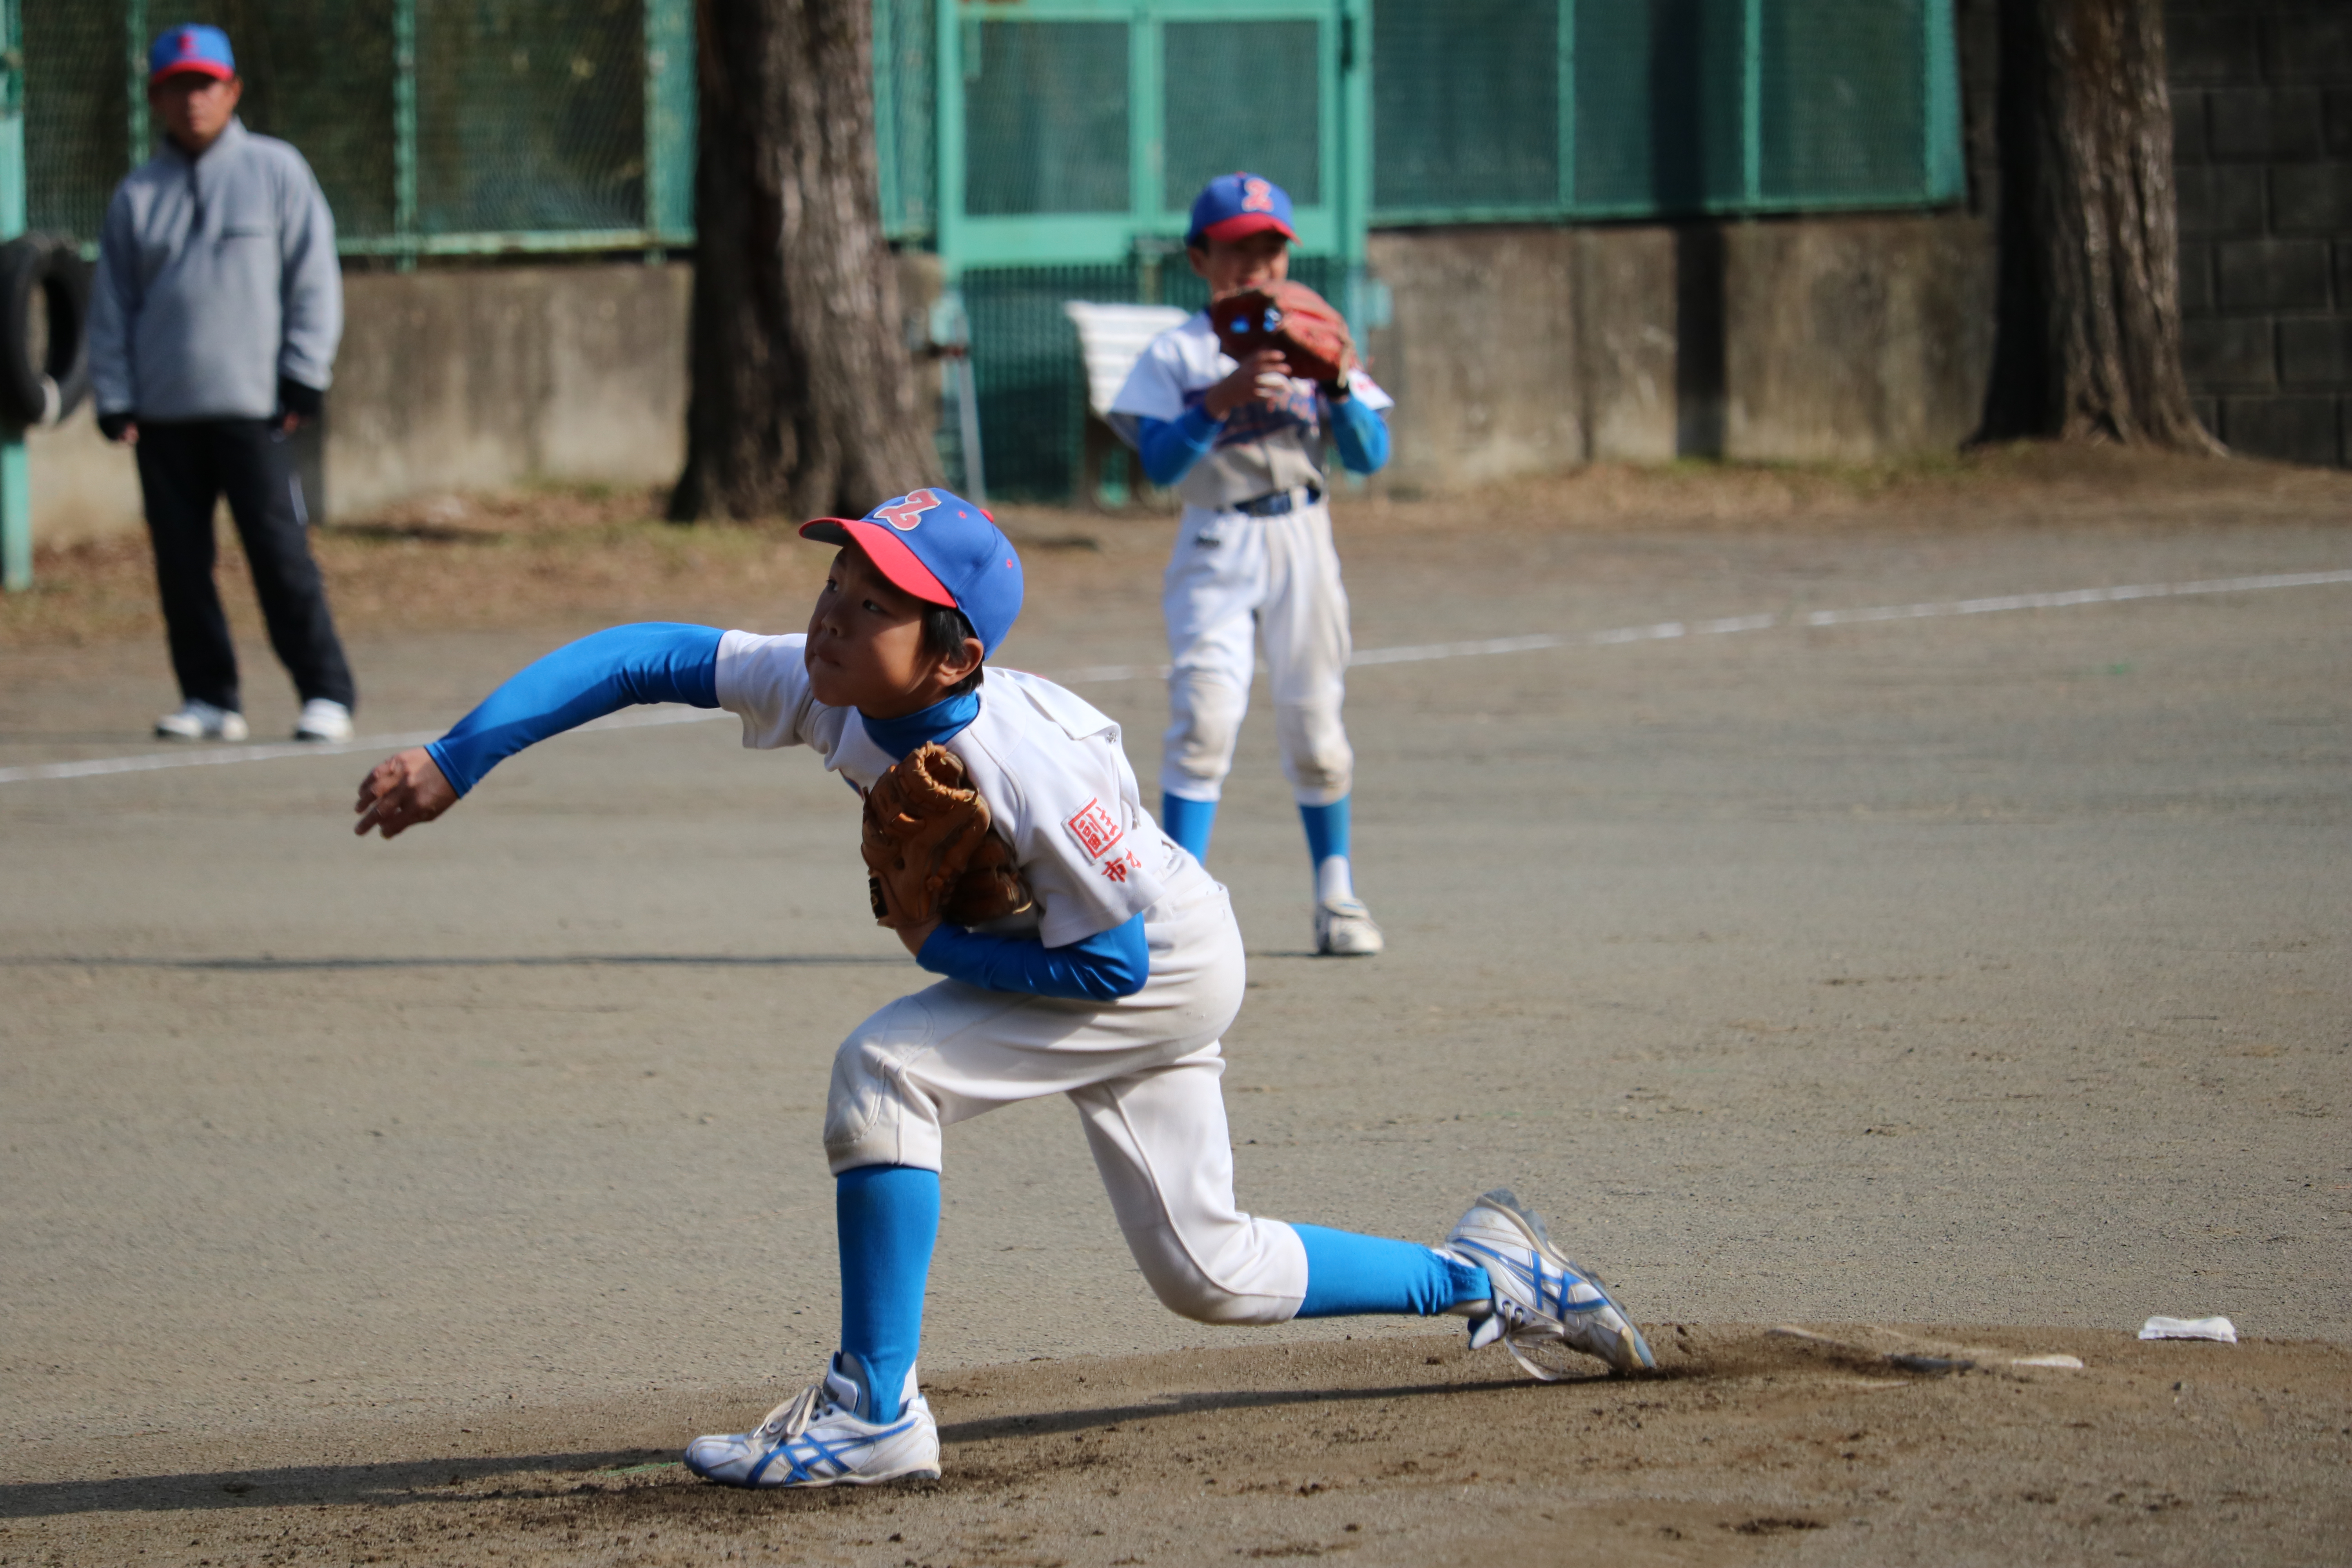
906 514
1095 829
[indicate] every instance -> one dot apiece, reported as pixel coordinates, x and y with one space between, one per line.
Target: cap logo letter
1257 196
906 514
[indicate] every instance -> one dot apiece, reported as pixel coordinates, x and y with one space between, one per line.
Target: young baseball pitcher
1241 442
1081 952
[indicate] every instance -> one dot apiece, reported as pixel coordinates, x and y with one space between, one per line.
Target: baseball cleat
1544 1304
1344 929
323 719
813 1439
202 721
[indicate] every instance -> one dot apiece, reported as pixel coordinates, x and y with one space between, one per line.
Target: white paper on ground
2070 1362
2219 1329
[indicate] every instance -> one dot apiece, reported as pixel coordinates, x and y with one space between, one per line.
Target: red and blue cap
942 550
1232 206
195 47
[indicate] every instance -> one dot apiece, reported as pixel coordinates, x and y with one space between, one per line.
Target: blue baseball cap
1232 206
942 550
193 47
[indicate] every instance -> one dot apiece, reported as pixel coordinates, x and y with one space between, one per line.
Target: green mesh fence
1242 95
1045 117
1674 107
1466 105
77 125
1838 119
905 94
529 116
510 124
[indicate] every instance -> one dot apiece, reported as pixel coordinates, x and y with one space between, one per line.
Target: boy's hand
401 792
1264 377
915 936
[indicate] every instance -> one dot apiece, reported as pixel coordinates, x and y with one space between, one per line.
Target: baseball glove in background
929 851
1312 336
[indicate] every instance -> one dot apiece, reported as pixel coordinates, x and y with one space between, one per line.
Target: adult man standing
214 321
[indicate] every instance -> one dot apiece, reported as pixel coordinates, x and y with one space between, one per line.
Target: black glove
300 401
112 426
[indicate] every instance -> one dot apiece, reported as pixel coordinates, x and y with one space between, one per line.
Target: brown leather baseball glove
1312 336
928 850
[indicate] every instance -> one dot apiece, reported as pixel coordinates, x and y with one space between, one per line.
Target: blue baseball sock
1188 822
887 1220
1351 1275
1327 845
1327 829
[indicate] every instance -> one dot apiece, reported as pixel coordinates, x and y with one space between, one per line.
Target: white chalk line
1415 652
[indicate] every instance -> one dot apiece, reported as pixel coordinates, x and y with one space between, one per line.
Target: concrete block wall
1516 349
2261 101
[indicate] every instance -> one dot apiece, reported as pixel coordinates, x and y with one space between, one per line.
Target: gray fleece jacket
217 275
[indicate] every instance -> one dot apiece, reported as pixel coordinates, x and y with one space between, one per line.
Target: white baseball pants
1234 578
1144 1073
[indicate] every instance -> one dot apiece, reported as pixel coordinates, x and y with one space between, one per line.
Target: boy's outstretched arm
656 661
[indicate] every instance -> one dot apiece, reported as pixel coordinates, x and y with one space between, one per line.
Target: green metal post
1355 20
1751 103
1147 124
947 137
669 124
1564 95
885 108
1945 166
1353 206
16 480
134 83
404 132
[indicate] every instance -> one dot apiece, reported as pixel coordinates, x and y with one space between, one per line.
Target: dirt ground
1748 1448
416 1203
558 556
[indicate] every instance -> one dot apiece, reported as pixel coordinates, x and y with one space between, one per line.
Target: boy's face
194 108
865 644
1230 266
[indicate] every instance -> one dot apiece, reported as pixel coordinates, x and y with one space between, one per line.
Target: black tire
38 272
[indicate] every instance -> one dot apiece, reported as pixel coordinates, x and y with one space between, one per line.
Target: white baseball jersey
1261 447
1239 586
1050 766
1144 1072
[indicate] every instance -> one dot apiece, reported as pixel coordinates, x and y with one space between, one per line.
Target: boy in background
1243 443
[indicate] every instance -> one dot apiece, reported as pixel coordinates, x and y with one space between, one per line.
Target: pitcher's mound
1879 1445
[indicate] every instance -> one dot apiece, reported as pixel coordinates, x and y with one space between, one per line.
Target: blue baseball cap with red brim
942 550
191 48
1233 206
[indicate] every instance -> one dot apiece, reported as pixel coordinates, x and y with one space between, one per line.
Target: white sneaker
1344 929
1543 1302
813 1440
323 720
202 721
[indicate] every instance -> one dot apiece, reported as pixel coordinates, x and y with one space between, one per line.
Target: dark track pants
184 470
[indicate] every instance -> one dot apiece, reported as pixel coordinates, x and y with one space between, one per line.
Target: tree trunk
2087 334
802 397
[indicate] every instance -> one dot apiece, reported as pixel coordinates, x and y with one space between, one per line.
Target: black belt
1280 501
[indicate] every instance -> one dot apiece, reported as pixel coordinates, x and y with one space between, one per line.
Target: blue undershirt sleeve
653 661
1361 434
1102 968
1169 447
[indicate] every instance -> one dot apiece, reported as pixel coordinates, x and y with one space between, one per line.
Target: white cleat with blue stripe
815 1439
1544 1305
